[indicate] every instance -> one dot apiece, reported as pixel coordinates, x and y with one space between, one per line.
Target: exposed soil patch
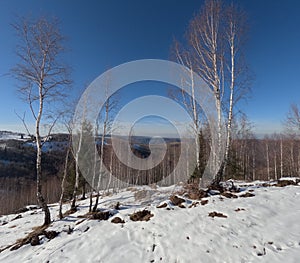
217 187
163 205
32 238
99 215
143 215
117 220
50 234
35 240
213 214
193 192
283 183
229 195
197 195
204 202
194 204
176 200
248 194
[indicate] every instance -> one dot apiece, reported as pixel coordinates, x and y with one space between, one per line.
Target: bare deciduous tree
293 119
215 41
106 119
43 78
65 170
189 102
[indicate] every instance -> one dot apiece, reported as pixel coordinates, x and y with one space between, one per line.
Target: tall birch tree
42 77
214 41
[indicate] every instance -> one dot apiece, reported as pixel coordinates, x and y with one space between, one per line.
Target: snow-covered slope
7 135
263 228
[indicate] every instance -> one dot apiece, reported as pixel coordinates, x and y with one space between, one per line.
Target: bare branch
23 121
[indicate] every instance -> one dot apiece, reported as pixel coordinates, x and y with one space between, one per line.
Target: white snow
266 229
7 135
294 179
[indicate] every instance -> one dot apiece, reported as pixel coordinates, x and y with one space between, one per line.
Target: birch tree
109 106
65 173
267 157
215 41
42 77
292 121
184 58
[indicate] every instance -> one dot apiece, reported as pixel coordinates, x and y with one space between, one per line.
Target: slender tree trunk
281 157
63 182
253 162
91 201
196 121
230 114
83 191
40 197
268 161
102 154
275 166
73 205
292 158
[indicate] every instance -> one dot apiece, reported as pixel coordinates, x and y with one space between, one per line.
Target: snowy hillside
261 225
8 135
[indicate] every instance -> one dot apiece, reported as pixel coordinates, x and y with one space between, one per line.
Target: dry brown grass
26 240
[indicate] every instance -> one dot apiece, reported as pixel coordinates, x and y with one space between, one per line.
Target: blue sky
103 34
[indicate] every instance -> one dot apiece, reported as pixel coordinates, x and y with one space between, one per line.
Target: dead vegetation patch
217 187
99 215
216 214
194 204
204 202
239 209
247 194
229 195
33 237
176 200
163 205
283 183
143 215
193 192
117 220
197 195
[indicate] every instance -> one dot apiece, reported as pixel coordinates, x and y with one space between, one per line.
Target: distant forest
250 158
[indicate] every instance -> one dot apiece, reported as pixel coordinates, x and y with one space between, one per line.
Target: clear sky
103 34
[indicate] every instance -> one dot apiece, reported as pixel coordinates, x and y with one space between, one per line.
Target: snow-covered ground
49 146
263 228
7 135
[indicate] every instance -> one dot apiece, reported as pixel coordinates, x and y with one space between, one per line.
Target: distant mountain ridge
9 135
